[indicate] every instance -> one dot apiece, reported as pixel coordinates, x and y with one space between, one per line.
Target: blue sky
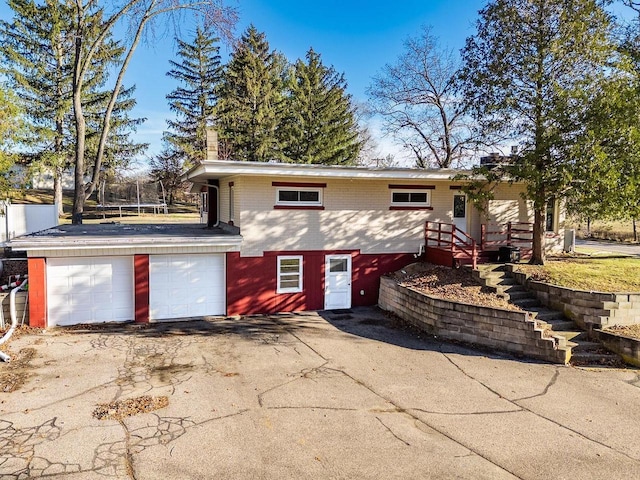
357 37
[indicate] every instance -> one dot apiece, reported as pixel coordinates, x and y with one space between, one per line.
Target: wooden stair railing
446 236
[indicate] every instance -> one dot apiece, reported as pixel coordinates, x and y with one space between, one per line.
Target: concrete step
583 346
493 277
491 267
562 325
517 295
508 288
600 358
526 303
546 314
574 336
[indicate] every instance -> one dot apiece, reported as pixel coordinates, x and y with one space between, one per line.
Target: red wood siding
252 282
141 285
37 292
366 273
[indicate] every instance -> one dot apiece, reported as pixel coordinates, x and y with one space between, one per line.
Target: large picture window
289 274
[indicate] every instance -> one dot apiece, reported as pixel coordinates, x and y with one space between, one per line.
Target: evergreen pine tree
320 125
199 72
250 100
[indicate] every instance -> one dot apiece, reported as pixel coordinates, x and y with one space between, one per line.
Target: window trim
297 289
282 203
426 204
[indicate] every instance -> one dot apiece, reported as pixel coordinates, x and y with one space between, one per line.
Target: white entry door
337 282
460 212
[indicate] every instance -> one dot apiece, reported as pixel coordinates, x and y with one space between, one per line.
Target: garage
89 290
183 286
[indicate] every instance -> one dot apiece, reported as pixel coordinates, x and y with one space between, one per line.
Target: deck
445 244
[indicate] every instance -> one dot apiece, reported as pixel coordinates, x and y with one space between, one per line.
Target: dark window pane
290 265
338 265
288 196
311 197
419 197
401 197
459 206
549 222
290 281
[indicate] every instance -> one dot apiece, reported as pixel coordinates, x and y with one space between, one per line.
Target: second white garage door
182 286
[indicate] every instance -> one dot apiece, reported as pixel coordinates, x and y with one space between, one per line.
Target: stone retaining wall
21 298
500 329
627 347
590 310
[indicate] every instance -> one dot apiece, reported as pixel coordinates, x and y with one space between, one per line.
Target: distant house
279 237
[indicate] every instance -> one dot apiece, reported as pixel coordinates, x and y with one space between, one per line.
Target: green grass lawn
178 213
592 274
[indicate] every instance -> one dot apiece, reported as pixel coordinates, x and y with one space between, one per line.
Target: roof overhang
218 169
123 239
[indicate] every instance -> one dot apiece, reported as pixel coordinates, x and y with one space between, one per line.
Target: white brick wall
356 216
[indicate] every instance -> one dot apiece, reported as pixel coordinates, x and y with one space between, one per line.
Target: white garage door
89 290
182 286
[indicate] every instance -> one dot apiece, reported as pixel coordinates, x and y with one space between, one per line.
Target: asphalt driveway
307 396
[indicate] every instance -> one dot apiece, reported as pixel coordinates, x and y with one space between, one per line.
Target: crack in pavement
402 410
313 407
18 459
444 433
551 383
458 414
128 456
392 432
539 415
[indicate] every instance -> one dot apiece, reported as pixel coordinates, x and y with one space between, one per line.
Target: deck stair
584 351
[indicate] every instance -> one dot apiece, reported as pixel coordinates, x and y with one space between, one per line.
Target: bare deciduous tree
417 101
139 14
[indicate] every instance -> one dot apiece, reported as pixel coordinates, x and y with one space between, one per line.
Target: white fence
18 219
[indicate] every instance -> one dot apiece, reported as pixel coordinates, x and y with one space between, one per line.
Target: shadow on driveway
375 324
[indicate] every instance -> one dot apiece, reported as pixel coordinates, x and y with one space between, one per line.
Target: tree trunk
635 230
538 256
80 122
57 189
588 227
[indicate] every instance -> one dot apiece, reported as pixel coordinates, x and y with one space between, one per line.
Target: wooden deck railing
511 234
447 236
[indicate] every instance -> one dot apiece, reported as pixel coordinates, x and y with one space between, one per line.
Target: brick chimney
212 144
494 159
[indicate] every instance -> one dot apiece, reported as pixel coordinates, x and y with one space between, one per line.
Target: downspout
217 205
14 318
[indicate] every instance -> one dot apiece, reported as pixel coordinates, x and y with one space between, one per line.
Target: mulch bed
453 284
628 330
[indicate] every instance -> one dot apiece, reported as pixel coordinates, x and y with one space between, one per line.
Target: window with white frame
410 198
290 274
303 197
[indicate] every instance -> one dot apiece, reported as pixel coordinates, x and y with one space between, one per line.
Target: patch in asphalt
129 407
